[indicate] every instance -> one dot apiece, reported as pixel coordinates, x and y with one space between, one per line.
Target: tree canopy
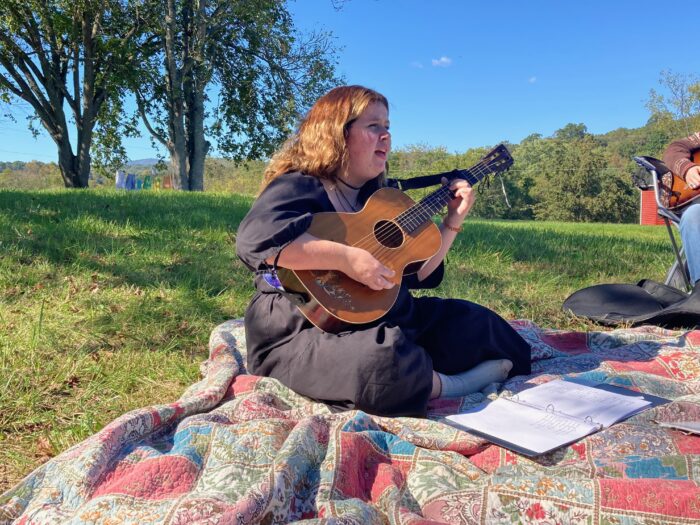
68 61
235 73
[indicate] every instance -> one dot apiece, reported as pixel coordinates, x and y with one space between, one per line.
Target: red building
648 209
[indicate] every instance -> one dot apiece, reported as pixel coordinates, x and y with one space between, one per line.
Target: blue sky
462 74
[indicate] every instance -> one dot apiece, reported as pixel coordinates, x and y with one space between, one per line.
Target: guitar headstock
497 160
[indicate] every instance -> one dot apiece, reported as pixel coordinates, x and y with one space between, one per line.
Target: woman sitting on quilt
423 347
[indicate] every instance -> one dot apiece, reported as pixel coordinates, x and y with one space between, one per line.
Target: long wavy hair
318 147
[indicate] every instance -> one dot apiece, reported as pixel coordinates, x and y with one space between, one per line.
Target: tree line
572 175
235 77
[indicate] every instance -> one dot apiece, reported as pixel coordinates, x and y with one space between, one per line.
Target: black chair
678 275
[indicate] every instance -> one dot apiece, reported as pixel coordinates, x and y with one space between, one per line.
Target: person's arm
457 211
679 158
307 252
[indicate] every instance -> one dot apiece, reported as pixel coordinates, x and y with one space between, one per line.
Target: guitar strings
432 202
430 205
421 212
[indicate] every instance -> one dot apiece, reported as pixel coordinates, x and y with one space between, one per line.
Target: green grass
527 269
107 298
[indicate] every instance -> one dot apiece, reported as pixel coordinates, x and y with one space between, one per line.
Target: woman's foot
472 380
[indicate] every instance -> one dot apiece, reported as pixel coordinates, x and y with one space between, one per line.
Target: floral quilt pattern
238 449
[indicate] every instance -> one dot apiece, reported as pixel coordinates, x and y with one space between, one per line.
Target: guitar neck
423 211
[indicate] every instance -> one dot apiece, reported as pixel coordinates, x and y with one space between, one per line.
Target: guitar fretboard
423 211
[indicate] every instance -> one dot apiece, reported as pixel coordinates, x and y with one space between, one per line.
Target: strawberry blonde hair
318 147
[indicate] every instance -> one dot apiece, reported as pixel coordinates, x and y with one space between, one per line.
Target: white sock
474 379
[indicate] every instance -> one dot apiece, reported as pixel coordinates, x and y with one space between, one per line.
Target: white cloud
442 62
417 64
532 80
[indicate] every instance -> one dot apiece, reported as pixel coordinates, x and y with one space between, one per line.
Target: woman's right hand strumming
363 267
311 253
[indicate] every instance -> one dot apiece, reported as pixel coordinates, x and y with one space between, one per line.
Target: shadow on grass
142 239
132 247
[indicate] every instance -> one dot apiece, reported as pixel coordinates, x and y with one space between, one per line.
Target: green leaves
67 60
230 76
676 107
571 176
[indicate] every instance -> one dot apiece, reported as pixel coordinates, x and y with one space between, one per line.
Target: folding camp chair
677 276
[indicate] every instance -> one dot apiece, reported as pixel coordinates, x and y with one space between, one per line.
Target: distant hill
142 162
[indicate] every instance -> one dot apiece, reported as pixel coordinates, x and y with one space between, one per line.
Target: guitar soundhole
388 234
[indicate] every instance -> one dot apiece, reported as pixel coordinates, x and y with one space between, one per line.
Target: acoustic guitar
674 192
396 230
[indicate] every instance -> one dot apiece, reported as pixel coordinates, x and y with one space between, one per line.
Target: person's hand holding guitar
458 208
365 268
692 177
348 266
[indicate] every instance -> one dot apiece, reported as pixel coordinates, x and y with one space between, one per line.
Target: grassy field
107 299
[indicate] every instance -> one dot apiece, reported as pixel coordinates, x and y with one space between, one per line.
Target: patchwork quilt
236 448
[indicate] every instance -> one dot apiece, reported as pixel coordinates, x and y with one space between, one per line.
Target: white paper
686 426
549 415
584 402
529 428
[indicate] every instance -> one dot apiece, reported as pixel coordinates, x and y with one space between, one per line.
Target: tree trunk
177 145
194 90
178 163
68 165
75 169
84 160
75 174
197 146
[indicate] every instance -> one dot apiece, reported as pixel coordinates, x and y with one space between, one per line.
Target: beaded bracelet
451 228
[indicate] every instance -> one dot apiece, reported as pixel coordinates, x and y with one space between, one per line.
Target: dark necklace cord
348 185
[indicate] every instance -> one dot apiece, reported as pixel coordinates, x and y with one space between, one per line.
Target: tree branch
140 104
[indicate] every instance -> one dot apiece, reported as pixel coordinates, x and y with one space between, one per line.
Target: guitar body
674 192
334 300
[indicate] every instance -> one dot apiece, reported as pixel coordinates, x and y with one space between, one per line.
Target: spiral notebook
552 415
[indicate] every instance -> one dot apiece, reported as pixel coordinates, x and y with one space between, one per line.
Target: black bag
647 302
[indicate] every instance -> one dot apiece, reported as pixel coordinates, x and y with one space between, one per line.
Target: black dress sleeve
432 281
280 214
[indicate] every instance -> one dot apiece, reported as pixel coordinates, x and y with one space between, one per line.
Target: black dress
383 368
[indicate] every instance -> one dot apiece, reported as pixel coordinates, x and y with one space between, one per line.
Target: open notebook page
581 401
521 427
